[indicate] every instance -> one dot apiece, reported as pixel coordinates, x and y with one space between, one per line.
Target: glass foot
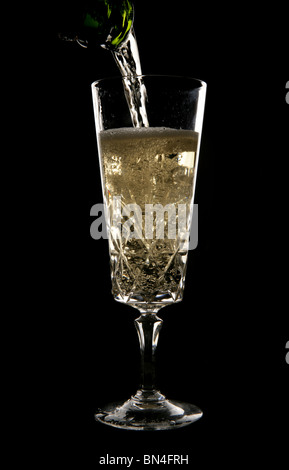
149 410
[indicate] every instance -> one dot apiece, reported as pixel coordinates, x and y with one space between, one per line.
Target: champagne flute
148 179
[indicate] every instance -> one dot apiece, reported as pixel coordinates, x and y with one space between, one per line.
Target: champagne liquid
128 62
147 166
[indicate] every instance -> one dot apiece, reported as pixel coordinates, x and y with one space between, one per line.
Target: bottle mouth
86 34
112 44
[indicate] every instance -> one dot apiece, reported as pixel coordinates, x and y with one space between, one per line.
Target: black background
223 347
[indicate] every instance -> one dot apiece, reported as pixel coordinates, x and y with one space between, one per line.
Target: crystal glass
148 179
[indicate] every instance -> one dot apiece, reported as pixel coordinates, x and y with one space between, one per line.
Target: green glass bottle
93 23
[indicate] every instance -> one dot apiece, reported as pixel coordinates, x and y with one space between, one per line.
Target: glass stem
148 326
